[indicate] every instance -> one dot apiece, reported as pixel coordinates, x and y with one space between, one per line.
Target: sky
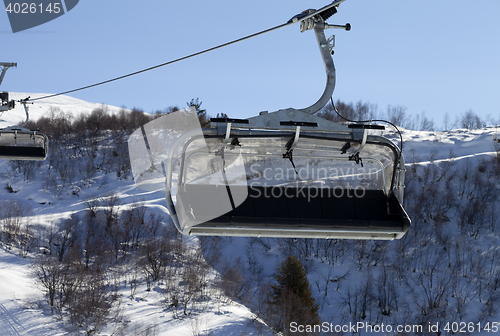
434 57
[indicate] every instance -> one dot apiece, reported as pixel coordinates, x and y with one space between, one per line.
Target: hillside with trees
98 248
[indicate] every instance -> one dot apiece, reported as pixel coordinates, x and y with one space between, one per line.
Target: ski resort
334 218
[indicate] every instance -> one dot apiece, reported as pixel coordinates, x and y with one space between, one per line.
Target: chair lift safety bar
283 174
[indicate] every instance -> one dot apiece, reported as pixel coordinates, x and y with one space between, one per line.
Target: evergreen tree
202 113
291 297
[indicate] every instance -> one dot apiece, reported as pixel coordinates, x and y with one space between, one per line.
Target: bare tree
397 115
154 257
470 120
425 123
446 121
92 302
135 226
430 283
27 238
12 215
387 294
50 274
65 237
233 282
27 168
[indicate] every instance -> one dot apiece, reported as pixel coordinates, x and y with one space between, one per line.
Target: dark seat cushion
340 208
22 152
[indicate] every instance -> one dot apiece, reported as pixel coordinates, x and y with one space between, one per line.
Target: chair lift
17 142
283 174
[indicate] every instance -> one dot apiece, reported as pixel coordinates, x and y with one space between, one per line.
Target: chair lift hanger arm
310 20
5 104
316 21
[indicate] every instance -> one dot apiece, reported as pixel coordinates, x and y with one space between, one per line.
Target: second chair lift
18 142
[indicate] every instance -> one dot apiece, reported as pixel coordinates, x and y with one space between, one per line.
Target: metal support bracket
325 49
290 146
295 139
228 133
347 26
21 127
359 134
401 180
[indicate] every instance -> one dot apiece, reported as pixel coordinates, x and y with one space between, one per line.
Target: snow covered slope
22 307
143 313
18 313
457 144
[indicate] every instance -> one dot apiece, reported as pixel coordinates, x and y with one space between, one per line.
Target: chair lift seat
211 187
22 144
22 153
294 212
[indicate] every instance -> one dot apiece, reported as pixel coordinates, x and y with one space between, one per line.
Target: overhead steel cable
295 19
164 64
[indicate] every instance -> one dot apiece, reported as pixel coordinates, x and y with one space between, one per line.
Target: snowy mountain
44 107
446 270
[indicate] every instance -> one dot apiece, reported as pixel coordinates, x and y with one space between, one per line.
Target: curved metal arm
319 28
5 66
21 126
27 113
